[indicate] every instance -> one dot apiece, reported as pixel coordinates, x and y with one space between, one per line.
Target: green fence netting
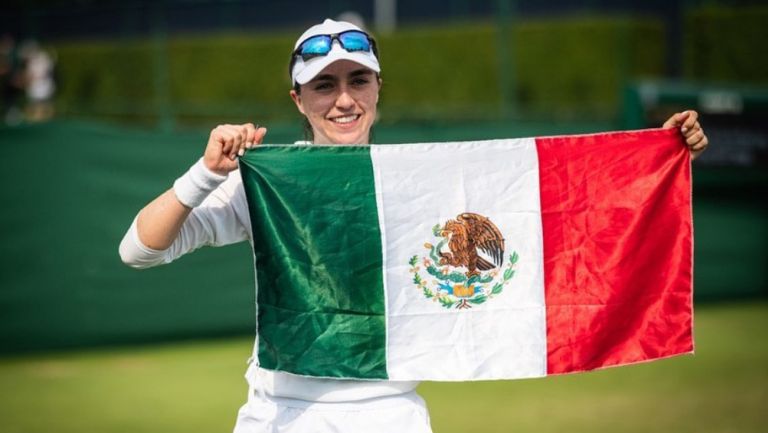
70 190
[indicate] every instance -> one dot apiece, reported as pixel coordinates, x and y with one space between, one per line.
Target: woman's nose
345 100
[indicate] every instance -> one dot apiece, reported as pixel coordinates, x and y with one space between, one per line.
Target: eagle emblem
467 235
465 265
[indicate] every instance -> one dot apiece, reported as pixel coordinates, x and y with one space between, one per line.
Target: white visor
304 71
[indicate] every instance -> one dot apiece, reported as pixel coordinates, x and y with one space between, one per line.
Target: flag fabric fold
495 259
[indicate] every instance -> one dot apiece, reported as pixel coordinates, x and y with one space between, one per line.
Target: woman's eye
359 81
324 86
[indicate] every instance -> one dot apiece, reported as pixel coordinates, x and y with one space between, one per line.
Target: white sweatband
195 185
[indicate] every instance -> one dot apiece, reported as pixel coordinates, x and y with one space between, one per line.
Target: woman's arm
159 223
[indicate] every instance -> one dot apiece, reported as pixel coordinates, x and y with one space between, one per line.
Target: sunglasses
320 45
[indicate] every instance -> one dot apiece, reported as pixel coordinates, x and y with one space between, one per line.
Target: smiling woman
335 74
340 103
335 69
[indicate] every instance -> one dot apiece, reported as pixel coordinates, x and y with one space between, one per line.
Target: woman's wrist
195 185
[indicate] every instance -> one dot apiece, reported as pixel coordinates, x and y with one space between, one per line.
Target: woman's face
340 103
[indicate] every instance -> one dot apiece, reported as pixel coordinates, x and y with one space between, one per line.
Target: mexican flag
477 260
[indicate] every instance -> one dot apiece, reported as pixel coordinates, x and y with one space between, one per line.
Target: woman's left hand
688 122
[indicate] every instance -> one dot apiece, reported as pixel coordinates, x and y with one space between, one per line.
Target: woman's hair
309 136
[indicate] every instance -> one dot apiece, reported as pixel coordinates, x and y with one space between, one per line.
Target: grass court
198 387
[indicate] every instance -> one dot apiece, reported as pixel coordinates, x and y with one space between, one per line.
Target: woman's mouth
345 120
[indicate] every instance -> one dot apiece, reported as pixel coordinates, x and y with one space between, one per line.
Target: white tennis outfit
282 402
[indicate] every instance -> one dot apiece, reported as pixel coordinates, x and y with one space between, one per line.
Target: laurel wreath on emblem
484 278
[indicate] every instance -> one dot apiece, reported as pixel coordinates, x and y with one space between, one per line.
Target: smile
345 119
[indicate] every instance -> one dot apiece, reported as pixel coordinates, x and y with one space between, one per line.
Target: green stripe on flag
318 257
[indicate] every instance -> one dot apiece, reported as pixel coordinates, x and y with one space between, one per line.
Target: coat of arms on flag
471 271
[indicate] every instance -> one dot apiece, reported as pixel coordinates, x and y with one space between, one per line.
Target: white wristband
195 185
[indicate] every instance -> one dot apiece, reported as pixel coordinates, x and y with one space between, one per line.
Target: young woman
336 83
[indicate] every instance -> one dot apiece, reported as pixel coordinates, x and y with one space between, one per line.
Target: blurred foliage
567 67
432 71
216 71
572 67
579 66
724 44
117 76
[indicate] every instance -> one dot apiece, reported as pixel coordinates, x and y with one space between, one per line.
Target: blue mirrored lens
316 46
355 41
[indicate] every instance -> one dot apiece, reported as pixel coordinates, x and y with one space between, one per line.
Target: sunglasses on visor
320 45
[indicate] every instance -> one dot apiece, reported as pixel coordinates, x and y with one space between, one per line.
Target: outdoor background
126 92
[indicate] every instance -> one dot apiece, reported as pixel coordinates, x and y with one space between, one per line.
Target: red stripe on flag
616 214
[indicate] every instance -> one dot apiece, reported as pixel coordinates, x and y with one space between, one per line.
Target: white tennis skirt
402 413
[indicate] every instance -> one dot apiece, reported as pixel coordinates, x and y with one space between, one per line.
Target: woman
336 83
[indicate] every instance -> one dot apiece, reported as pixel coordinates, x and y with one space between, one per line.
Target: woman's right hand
227 142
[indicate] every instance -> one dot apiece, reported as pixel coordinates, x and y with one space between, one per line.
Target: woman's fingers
689 122
676 120
260 133
221 140
254 135
694 138
245 137
250 135
227 142
232 139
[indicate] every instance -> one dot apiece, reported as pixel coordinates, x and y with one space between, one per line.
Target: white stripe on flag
504 337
